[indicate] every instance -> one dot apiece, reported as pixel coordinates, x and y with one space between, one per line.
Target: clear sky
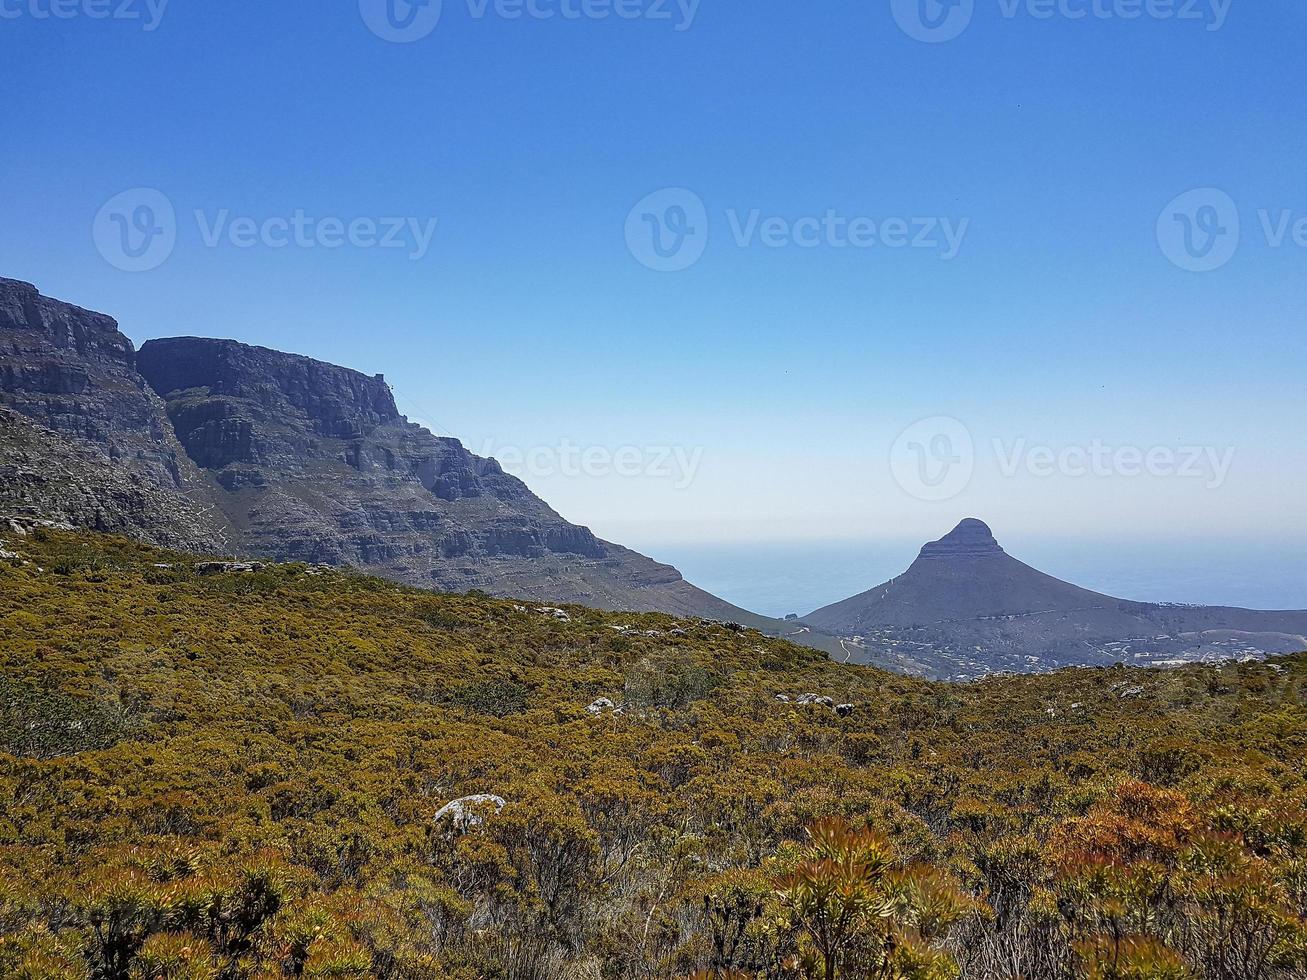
1073 370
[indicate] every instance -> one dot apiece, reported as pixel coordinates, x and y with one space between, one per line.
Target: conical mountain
963 575
966 607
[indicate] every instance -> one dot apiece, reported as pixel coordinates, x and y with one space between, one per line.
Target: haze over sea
777 578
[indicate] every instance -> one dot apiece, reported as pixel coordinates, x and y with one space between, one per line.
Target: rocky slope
73 371
217 446
102 453
51 477
966 608
317 464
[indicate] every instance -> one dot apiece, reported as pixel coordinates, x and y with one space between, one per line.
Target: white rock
469 811
228 567
815 699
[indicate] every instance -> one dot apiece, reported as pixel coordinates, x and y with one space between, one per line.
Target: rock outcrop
74 372
59 478
319 465
971 539
84 438
463 814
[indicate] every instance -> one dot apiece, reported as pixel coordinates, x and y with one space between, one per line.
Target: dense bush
236 776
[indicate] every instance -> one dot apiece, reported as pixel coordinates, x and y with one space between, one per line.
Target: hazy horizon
776 578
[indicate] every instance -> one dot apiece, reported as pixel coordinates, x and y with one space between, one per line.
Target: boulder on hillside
469 811
815 699
228 567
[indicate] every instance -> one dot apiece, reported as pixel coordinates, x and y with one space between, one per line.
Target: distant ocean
780 578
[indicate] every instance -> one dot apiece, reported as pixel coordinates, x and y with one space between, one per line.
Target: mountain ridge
292 458
220 447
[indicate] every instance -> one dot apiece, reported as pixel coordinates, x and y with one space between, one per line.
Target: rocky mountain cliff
46 476
966 608
102 453
318 464
275 455
73 371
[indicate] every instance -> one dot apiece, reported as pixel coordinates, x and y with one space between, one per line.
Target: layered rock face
970 539
220 447
318 464
102 453
333 401
74 372
52 477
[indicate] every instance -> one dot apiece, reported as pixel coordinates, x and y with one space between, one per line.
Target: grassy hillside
237 775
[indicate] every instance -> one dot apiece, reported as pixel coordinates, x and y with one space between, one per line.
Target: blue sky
788 378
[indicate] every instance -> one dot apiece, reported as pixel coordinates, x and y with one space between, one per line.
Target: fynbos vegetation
237 776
